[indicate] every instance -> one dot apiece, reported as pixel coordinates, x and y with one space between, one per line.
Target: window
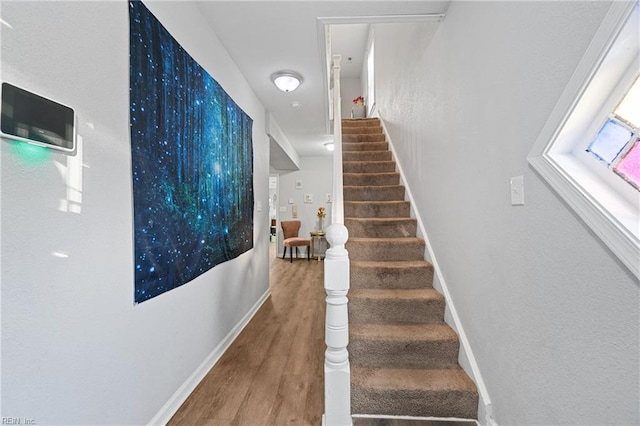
616 143
589 149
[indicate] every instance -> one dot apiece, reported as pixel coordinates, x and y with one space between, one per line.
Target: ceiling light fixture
287 81
330 146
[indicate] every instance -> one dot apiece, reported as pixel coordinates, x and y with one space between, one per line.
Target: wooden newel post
337 376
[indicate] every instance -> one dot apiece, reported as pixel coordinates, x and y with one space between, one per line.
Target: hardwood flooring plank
228 392
290 401
272 374
258 404
314 403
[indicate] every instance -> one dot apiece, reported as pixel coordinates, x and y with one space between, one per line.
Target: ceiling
263 37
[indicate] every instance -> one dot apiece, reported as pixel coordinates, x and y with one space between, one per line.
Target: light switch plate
259 206
517 191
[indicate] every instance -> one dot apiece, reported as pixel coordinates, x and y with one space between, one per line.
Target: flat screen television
32 118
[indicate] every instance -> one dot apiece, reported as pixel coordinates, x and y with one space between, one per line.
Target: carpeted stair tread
403 332
392 202
398 264
413 392
376 209
361 130
366 155
376 227
360 122
403 345
403 274
373 193
401 421
371 179
365 146
409 379
395 306
397 294
388 240
367 137
383 249
369 166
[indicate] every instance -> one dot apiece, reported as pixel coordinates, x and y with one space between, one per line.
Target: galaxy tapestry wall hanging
192 160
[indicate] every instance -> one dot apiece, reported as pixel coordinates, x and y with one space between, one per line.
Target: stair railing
337 374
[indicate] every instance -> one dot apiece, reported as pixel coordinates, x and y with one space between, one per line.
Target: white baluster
337 376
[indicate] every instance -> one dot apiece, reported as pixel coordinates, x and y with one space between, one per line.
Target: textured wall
75 350
350 88
552 316
316 176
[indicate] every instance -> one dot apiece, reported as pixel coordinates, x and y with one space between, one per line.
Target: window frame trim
624 243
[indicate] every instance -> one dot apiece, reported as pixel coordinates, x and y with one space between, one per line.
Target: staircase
404 358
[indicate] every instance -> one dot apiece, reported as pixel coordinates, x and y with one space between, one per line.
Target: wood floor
273 373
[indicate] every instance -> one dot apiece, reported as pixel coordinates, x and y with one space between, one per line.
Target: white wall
552 316
317 180
350 88
75 349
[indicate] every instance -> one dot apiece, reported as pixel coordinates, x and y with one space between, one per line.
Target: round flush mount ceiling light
287 81
330 146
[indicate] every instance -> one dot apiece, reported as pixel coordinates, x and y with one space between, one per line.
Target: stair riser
374 193
403 354
391 278
365 146
369 167
373 209
460 404
366 155
395 311
369 137
361 130
371 179
381 229
385 251
360 122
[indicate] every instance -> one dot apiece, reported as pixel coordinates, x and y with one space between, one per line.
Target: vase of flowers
358 108
321 215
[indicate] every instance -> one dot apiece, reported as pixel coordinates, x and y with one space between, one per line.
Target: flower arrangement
359 101
321 213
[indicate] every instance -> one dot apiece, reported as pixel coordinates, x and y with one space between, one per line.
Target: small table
318 242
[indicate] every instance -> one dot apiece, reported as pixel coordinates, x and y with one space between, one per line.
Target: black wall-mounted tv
31 118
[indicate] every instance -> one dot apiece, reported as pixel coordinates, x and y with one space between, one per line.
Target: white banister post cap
337 234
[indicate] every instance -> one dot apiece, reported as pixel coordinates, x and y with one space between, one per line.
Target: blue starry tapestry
192 160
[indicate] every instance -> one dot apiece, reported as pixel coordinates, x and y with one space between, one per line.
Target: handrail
337 208
337 373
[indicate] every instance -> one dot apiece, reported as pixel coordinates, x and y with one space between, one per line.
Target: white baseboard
177 399
466 358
